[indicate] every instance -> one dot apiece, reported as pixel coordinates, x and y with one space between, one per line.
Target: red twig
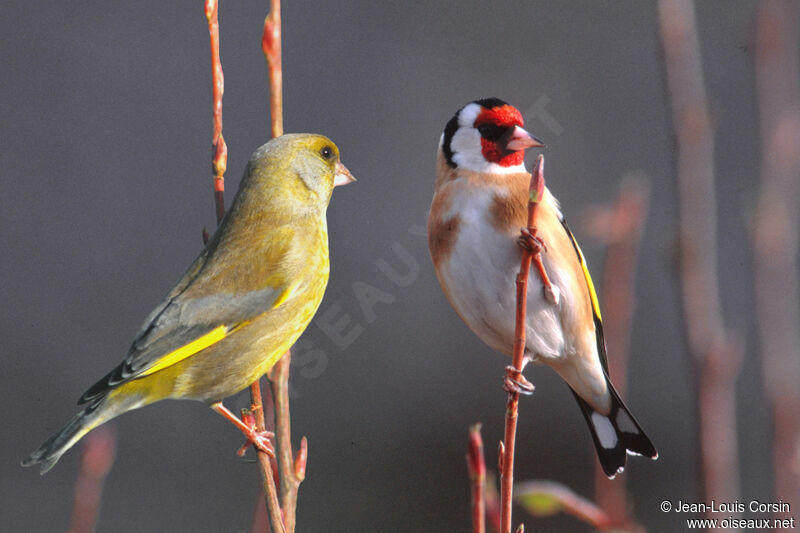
492 504
476 466
775 234
271 46
96 461
620 227
219 163
260 515
708 338
514 372
267 476
292 467
219 148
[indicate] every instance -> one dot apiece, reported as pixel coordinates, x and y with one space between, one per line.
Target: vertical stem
219 163
707 335
476 466
96 461
695 139
623 233
260 516
506 454
292 468
270 491
271 46
218 146
775 234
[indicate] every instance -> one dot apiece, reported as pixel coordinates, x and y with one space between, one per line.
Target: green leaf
540 503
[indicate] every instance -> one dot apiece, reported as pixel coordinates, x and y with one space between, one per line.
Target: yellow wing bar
589 284
595 303
175 356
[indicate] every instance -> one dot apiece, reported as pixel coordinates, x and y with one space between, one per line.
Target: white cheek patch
467 151
466 145
605 431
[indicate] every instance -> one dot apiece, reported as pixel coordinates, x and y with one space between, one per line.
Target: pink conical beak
522 140
342 176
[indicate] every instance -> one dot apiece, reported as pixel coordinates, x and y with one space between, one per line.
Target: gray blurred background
106 186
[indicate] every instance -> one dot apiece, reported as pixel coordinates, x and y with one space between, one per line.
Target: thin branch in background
716 353
530 254
546 498
492 503
219 163
775 234
96 461
695 140
260 516
620 228
476 466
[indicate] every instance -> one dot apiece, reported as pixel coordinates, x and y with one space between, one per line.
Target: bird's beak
342 175
522 140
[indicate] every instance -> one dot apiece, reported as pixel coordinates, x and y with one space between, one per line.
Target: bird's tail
97 412
615 435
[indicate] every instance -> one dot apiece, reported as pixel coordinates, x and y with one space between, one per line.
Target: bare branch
775 233
476 466
714 349
96 461
620 227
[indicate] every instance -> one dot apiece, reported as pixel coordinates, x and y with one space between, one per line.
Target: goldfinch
243 302
479 206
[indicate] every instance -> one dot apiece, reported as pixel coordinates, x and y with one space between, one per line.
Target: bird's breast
478 271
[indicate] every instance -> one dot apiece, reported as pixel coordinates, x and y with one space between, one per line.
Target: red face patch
506 116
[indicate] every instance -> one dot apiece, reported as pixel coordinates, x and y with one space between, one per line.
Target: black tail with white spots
616 435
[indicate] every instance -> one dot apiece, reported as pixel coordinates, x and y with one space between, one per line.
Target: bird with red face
479 206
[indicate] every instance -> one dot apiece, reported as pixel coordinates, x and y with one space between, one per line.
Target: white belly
480 280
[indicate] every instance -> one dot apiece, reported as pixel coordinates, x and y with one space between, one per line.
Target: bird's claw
515 382
531 242
261 440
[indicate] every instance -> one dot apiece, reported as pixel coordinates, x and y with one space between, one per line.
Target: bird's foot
260 439
531 242
515 382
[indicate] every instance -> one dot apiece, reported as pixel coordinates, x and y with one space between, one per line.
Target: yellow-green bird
242 303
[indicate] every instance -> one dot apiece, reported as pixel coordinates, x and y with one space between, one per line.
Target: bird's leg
534 244
259 439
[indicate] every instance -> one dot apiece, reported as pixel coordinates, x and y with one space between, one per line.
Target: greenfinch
479 205
239 307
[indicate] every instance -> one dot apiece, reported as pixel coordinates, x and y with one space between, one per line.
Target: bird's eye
326 153
491 132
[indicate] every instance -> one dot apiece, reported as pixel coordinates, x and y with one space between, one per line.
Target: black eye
491 132
326 153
